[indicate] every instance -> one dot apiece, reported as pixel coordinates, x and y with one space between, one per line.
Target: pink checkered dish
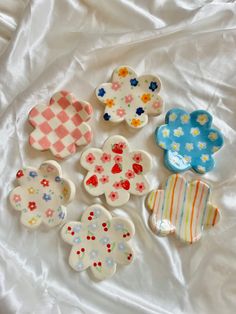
61 125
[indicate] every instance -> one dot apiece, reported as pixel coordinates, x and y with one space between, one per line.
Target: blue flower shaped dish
188 140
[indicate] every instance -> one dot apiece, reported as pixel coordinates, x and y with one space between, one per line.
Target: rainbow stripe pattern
182 208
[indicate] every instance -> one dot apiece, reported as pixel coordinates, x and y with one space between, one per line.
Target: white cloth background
75 45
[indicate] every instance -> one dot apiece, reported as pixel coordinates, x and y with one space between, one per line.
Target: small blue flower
93 226
153 86
80 265
109 262
93 254
139 111
121 246
46 197
97 212
61 215
77 228
106 117
57 179
101 92
104 240
134 82
77 240
33 174
119 227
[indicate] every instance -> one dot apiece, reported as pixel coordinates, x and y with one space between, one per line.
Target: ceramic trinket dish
99 241
189 140
61 125
42 195
116 171
182 208
130 98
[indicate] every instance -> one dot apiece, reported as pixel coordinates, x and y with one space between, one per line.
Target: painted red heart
125 184
92 180
116 168
137 168
116 149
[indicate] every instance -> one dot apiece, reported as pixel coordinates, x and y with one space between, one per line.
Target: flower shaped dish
116 171
182 208
188 140
42 195
130 98
99 242
61 125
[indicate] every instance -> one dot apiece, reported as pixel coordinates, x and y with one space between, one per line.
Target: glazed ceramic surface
61 125
189 140
99 242
42 195
116 171
182 208
130 97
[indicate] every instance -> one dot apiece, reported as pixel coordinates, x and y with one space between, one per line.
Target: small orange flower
123 72
146 97
135 122
109 102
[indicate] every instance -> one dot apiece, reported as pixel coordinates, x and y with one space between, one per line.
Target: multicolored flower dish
130 97
116 171
99 242
189 140
42 195
182 208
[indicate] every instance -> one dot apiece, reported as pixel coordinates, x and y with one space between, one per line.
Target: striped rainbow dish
182 208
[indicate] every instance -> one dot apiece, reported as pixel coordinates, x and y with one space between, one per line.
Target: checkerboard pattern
61 125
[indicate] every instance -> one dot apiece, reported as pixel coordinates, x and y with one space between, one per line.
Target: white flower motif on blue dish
121 246
201 145
104 240
189 146
77 240
175 146
204 157
119 227
109 262
93 254
80 265
178 132
195 131
165 132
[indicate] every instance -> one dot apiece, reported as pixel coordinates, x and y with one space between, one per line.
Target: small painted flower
134 82
139 111
49 212
121 246
93 254
145 98
65 192
109 262
201 169
153 86
162 145
135 122
90 158
123 72
175 146
46 197
62 215
120 112
109 102
204 157
130 174
44 182
195 131
140 187
122 145
118 159
105 157
128 99
201 145
189 146
104 179
172 117
19 174
80 265
32 221
32 205
77 228
99 169
187 158
178 132
137 158
156 105
117 185
104 240
106 117
165 132
115 86
213 136
16 198
184 118
113 196
33 174
215 149
202 119
31 190
119 227
101 92
58 179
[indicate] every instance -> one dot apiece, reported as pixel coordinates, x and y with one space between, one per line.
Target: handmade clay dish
116 171
42 195
182 208
99 241
61 125
188 140
130 98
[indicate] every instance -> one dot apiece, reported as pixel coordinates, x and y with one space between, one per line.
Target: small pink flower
118 159
105 157
90 158
156 105
120 112
140 187
128 99
16 198
122 145
115 86
49 212
117 185
99 169
113 196
129 174
104 179
137 158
